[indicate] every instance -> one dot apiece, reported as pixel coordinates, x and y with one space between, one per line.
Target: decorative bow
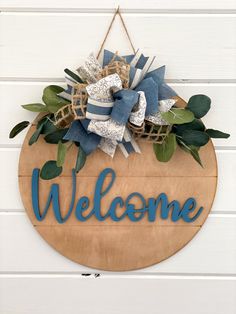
110 106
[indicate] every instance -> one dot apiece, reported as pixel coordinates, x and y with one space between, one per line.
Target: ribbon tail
108 146
128 148
128 144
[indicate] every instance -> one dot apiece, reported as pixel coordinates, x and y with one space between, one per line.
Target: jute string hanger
117 12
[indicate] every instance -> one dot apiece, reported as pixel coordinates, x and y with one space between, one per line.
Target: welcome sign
172 210
118 214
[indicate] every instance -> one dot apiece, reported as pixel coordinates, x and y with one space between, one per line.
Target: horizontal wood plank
123 167
190 45
224 200
23 250
124 4
221 116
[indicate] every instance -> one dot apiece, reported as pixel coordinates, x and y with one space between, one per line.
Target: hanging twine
117 12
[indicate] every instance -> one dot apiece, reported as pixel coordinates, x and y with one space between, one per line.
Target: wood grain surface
123 245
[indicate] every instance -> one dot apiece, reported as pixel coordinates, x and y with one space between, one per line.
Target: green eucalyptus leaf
194 125
199 105
193 150
55 137
217 134
48 126
43 119
165 151
196 138
187 148
52 100
178 116
50 170
81 159
36 135
195 155
35 107
61 154
18 128
73 75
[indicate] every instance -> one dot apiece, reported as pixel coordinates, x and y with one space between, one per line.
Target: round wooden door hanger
118 214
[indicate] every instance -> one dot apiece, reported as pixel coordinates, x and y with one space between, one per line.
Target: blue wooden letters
149 207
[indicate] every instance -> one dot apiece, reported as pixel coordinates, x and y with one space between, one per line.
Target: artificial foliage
115 105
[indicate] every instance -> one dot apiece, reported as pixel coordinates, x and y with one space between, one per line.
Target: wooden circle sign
119 245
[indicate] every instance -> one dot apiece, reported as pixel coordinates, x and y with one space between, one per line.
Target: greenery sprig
52 135
188 131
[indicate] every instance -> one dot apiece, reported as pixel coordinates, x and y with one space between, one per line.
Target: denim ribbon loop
124 101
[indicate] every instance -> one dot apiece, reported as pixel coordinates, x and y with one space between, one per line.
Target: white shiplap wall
197 41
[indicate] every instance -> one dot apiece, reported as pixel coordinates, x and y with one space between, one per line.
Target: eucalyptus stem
69 146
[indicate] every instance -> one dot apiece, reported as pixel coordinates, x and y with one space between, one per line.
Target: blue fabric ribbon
150 88
151 83
108 56
128 145
164 90
125 100
77 133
